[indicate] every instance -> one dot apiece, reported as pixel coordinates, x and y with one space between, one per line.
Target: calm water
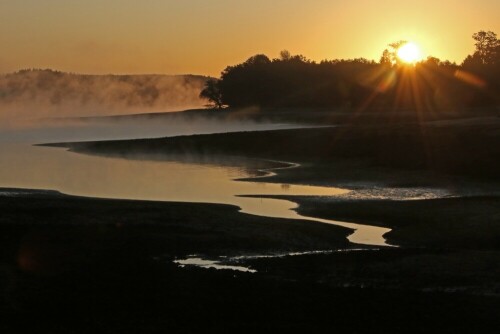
25 166
238 262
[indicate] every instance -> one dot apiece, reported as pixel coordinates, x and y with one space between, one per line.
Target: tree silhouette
386 58
394 52
212 93
285 55
390 56
487 47
359 84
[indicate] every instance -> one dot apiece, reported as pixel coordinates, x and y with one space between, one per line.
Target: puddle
204 263
233 262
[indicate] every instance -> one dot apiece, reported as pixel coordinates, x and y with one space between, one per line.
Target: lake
23 165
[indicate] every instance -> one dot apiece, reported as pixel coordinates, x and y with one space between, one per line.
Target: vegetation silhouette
360 84
212 92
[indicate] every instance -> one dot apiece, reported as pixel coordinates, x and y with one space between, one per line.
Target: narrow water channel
33 167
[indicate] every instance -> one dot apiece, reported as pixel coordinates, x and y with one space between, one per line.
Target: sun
409 53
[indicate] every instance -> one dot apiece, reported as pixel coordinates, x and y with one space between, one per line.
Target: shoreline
359 234
69 255
322 160
444 153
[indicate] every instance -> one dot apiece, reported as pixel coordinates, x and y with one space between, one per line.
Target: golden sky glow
203 37
410 53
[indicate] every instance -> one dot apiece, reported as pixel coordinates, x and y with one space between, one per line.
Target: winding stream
362 234
228 182
34 167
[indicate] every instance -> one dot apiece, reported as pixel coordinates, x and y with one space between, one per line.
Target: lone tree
212 93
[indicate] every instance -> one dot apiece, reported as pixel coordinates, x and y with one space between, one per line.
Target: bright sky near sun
203 37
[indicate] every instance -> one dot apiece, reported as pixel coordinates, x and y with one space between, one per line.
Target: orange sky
203 37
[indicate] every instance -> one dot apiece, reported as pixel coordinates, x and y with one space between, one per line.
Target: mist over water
43 106
58 130
34 94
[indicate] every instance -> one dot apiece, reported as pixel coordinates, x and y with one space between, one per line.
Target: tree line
295 81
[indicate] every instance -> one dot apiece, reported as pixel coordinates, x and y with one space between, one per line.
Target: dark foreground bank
80 265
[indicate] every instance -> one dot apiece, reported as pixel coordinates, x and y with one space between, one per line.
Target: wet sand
79 265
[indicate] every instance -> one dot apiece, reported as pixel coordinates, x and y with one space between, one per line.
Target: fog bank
31 94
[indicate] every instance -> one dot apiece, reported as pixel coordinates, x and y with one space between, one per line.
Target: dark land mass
214 229
464 148
80 265
316 116
458 223
445 244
